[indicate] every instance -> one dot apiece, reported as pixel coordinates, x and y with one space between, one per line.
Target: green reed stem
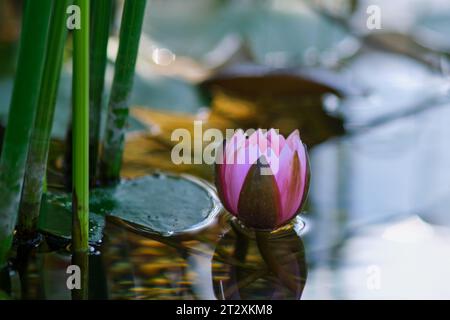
80 125
21 116
81 259
130 32
35 171
101 13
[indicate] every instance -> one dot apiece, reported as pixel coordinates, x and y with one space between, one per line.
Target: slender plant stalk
130 32
80 126
101 12
35 171
21 116
81 259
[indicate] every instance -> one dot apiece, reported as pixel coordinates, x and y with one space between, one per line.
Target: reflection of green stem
21 116
81 259
130 33
101 20
35 172
263 243
80 124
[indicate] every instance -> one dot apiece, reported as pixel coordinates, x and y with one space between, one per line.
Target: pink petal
303 166
221 183
258 138
236 172
233 144
273 159
290 190
276 141
295 143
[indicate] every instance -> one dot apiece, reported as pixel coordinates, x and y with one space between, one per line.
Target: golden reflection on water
217 262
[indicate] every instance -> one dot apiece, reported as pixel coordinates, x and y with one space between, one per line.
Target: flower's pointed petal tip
255 138
294 135
294 141
266 133
238 134
276 141
273 134
255 134
261 134
263 141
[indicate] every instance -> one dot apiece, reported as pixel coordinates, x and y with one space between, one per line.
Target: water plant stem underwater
35 171
130 33
80 126
21 116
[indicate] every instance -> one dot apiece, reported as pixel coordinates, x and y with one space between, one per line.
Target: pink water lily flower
263 179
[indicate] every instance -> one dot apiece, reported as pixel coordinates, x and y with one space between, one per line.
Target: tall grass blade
80 129
101 13
21 116
130 32
35 172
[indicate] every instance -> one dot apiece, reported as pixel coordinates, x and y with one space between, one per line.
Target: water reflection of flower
259 265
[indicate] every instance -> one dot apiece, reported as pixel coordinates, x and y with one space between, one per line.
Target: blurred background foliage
185 42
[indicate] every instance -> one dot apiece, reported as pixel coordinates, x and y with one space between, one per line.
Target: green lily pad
56 218
159 203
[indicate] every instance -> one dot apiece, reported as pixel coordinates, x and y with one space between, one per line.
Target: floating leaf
163 204
56 218
158 203
255 80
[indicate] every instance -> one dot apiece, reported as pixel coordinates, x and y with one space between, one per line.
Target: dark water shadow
270 267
